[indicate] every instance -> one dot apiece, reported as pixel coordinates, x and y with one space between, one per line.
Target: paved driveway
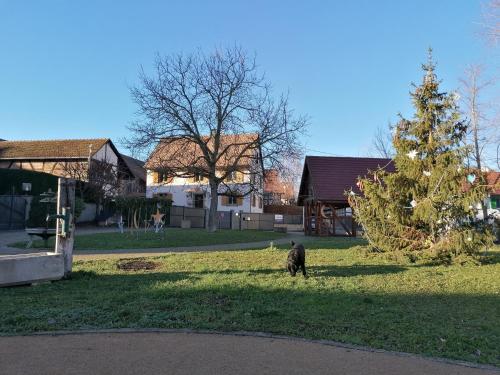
189 353
10 236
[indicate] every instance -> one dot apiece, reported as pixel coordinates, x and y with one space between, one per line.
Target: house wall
106 153
495 212
179 188
53 167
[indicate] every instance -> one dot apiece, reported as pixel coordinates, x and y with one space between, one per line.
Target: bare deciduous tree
97 180
491 21
382 142
481 132
194 103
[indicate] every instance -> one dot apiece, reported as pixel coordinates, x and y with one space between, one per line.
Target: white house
492 202
171 157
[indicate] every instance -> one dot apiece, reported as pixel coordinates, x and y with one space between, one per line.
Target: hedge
11 180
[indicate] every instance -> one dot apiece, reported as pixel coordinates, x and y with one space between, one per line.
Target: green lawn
444 311
173 237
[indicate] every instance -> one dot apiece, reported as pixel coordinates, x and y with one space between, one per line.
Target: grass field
444 311
174 237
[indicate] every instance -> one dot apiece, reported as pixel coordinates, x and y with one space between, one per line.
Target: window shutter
240 176
239 201
155 177
189 199
224 200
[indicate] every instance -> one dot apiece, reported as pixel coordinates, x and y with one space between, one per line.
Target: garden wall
230 219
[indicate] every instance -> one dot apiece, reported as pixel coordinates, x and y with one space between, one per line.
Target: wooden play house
324 183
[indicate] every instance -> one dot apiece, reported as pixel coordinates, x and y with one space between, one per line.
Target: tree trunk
214 202
484 209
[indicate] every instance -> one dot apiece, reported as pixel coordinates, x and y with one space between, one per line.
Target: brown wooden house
324 183
72 158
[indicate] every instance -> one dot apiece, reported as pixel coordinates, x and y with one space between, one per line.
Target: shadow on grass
318 271
491 257
315 243
355 270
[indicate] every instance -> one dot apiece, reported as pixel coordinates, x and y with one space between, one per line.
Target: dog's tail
292 242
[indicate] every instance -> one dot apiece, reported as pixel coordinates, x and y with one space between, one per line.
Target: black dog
296 259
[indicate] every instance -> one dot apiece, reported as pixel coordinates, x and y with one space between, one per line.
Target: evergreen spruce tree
427 207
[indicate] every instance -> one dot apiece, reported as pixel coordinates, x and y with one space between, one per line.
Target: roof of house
273 183
180 153
493 179
135 166
51 149
331 176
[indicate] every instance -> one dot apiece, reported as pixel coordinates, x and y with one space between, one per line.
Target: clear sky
66 66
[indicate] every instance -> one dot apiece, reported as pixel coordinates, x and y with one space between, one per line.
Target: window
231 200
198 177
163 177
198 201
231 176
254 200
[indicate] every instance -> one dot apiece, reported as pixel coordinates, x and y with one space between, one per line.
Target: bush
130 207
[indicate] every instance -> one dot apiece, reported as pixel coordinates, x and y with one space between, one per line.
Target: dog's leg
303 266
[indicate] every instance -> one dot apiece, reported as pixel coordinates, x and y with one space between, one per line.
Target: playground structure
37 267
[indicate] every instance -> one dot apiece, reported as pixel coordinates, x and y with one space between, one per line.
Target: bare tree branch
491 21
382 142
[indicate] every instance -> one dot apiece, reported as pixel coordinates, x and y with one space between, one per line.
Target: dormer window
231 176
163 178
198 177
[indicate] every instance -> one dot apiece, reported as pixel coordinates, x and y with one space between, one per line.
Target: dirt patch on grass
137 265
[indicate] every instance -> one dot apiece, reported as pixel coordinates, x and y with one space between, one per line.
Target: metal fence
197 216
230 219
12 212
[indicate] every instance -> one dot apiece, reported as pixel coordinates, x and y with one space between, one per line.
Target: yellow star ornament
157 216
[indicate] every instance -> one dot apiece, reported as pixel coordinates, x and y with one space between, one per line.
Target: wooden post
333 220
305 219
317 214
354 224
64 244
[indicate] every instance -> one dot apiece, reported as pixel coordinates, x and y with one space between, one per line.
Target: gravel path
194 353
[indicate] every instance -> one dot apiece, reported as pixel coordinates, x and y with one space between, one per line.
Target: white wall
106 153
179 187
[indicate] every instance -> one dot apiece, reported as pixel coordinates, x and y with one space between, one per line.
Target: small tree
96 180
481 133
195 102
428 205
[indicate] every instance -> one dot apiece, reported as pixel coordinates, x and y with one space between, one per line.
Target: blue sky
66 66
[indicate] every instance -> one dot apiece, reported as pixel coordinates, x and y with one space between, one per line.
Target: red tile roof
494 182
51 149
273 183
331 176
180 153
